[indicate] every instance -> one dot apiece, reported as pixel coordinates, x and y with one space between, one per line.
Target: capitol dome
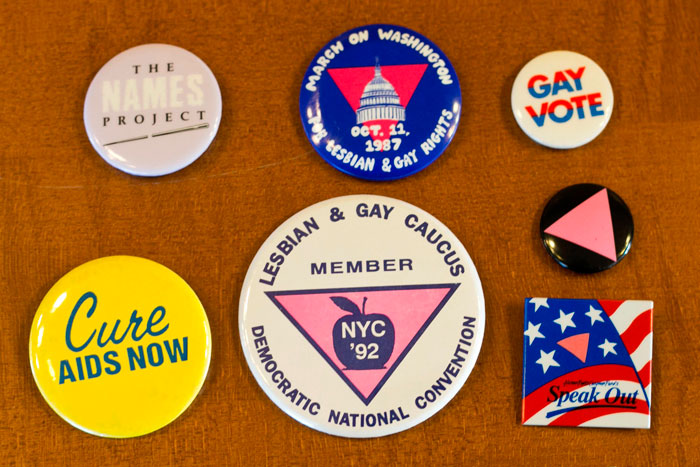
380 101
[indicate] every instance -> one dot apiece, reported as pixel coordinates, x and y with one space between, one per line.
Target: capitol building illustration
380 101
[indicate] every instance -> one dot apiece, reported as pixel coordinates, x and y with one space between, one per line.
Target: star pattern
546 360
533 331
565 320
539 302
608 347
594 315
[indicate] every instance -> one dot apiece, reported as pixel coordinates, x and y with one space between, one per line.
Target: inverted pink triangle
588 225
577 345
408 308
352 81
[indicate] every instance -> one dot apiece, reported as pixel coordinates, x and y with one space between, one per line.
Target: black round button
587 228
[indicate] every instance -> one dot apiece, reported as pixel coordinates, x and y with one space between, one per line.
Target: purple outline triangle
452 288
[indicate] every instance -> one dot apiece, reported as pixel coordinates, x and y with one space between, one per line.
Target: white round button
562 99
361 316
152 110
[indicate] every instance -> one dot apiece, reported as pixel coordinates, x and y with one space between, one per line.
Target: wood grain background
62 205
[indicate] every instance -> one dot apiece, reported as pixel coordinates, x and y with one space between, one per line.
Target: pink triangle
352 81
410 309
577 345
588 225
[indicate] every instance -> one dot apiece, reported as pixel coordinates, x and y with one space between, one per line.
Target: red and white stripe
634 322
538 410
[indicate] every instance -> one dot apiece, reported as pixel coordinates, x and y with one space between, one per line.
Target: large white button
361 316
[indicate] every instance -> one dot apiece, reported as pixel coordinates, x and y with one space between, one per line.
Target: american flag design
587 363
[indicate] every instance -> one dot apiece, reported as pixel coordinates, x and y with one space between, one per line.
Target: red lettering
556 104
576 75
559 76
532 112
534 79
578 101
592 99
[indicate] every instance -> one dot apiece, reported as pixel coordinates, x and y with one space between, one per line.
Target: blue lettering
567 115
110 360
544 88
155 318
177 350
112 336
612 392
539 119
66 373
69 326
559 85
97 370
334 417
159 352
140 358
79 363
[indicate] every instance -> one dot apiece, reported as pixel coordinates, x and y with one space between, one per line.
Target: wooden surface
62 205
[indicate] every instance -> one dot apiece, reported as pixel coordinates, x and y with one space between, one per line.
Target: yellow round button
120 346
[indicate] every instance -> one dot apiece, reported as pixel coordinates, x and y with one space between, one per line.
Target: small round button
120 346
152 110
380 102
562 99
587 228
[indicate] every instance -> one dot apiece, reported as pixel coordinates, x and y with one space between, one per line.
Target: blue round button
380 102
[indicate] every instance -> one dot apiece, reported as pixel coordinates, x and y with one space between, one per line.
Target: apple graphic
362 341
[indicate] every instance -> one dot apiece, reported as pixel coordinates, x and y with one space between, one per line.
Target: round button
562 99
152 110
120 346
587 228
361 316
380 102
